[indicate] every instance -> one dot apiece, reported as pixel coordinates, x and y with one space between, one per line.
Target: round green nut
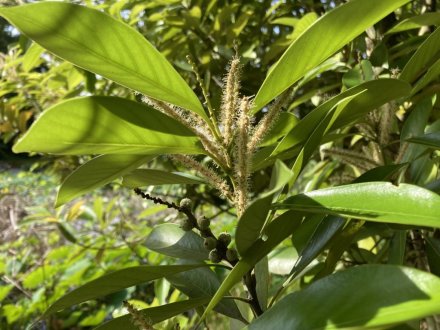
210 243
186 224
214 256
231 255
186 203
203 223
224 238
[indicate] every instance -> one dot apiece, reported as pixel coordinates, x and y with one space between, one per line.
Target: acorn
210 243
186 224
203 223
224 238
186 203
214 256
231 255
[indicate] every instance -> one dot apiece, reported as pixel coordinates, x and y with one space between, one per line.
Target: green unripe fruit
224 238
210 243
231 255
214 256
186 203
204 223
186 224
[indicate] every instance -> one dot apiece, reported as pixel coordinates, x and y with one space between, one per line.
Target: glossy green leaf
32 57
171 240
278 230
416 22
323 234
380 173
373 201
97 172
372 97
106 125
384 295
282 260
152 177
114 282
154 314
322 39
101 44
431 140
285 123
203 282
423 58
370 296
252 221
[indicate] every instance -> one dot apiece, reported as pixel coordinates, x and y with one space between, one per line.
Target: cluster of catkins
229 140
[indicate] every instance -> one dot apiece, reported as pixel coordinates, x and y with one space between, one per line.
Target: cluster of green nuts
217 247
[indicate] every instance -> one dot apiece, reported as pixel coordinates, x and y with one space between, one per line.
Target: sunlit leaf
106 125
101 44
373 201
322 39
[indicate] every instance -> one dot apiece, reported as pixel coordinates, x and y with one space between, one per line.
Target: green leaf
252 221
433 254
106 125
323 234
97 172
372 97
115 282
151 177
423 58
372 201
171 240
322 39
314 140
415 22
101 44
396 253
369 296
432 74
154 314
275 233
203 282
431 140
262 278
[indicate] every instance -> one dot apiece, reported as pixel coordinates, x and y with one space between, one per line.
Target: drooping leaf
252 221
322 39
152 177
372 97
369 296
278 230
372 201
106 125
115 282
396 253
262 280
203 282
96 173
101 44
154 314
171 240
416 22
423 58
